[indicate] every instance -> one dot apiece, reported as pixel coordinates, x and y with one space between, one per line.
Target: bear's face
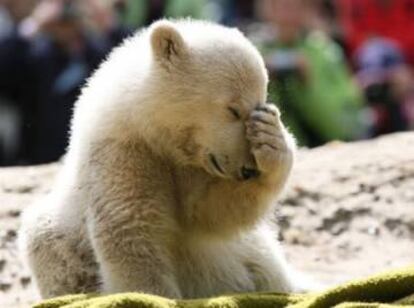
211 89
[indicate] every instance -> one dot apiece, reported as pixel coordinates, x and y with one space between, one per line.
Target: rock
14 213
2 264
348 212
5 285
25 280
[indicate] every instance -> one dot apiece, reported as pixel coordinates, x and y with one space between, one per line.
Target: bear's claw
267 138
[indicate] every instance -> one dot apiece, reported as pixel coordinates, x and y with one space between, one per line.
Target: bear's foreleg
131 222
266 262
130 261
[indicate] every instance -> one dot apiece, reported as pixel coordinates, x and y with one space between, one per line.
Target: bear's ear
167 43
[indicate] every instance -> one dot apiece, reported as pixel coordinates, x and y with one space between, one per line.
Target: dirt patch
349 211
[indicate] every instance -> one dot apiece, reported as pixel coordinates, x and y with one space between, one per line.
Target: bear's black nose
248 173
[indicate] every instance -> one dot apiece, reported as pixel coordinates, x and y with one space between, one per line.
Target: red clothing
393 19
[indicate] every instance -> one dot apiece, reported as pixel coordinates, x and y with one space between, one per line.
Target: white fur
138 205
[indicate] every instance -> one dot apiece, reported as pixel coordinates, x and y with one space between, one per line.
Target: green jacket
328 104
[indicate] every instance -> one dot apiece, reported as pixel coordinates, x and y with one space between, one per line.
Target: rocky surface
19 187
348 212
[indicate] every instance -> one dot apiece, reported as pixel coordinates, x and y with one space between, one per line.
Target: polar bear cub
174 163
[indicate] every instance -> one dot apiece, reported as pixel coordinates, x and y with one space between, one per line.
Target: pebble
14 213
2 264
25 280
5 285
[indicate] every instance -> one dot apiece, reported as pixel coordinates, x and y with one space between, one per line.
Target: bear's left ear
166 42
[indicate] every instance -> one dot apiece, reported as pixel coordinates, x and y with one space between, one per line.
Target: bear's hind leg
60 261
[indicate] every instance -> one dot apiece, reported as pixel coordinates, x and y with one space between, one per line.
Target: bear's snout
249 173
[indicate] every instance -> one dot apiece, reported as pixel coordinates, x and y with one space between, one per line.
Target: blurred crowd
339 69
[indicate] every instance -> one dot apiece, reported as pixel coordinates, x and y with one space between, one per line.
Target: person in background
309 78
240 13
11 13
387 82
136 14
44 61
379 38
361 20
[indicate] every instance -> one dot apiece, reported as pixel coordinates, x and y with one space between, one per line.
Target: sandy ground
348 213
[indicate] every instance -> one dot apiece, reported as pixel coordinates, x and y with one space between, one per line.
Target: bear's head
207 79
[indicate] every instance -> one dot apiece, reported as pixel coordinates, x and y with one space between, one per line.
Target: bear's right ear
167 43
